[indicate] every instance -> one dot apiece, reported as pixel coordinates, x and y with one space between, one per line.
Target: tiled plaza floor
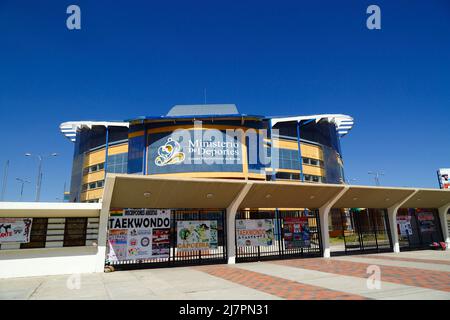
410 275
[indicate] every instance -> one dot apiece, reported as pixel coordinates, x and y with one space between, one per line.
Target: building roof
344 123
69 129
203 109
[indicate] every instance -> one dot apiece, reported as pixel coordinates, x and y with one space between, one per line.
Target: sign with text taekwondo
444 178
136 234
205 150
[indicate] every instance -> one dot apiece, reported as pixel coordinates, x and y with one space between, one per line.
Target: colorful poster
444 180
137 234
296 233
426 222
196 235
404 225
254 232
15 230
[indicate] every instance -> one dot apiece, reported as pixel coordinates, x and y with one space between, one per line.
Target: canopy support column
103 223
392 215
231 223
444 223
324 212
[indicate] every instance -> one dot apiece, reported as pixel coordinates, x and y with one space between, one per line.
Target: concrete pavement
408 275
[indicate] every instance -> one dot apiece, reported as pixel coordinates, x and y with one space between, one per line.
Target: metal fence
278 248
185 258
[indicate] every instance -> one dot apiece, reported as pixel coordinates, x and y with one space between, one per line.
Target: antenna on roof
204 95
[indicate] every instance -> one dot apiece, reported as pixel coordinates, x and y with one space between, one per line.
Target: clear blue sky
135 58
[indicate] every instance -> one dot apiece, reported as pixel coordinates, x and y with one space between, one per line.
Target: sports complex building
207 184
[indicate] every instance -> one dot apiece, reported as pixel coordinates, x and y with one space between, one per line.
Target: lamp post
377 176
39 176
5 180
22 182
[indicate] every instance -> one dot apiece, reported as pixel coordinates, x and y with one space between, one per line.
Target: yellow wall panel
311 151
122 148
95 157
313 170
91 177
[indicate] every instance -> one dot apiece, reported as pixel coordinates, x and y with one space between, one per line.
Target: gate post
231 222
392 215
323 216
444 224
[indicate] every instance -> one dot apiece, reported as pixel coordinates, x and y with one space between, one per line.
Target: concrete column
443 211
392 215
231 222
103 223
324 212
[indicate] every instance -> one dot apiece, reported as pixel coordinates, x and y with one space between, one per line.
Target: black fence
366 230
279 249
425 228
179 257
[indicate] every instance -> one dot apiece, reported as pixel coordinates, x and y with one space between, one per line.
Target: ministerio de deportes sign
211 150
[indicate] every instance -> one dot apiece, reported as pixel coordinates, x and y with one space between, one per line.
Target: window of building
75 232
94 168
38 234
92 185
118 163
288 159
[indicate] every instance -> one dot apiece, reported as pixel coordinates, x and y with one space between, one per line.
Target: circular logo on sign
145 242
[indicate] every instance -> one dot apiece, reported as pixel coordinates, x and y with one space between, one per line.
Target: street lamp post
377 176
39 176
22 182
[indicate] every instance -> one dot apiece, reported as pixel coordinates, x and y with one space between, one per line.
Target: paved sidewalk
409 275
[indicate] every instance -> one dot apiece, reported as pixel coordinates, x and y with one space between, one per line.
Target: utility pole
4 182
377 176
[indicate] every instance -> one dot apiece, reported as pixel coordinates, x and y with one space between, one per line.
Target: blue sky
135 58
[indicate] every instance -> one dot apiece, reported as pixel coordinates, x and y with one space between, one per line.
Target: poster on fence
196 235
136 234
404 225
296 233
426 222
15 230
254 232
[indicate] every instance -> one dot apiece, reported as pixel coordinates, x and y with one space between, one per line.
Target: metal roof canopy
372 197
428 198
265 194
128 192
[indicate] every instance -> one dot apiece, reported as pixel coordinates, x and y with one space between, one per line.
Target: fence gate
295 234
194 226
366 230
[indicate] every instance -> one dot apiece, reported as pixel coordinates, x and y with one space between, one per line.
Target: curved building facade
207 141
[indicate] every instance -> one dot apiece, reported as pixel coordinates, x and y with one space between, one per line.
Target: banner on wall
426 222
254 232
15 230
296 233
139 234
196 235
404 225
444 178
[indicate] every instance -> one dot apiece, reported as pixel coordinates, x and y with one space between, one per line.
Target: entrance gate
366 230
176 256
418 228
279 248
